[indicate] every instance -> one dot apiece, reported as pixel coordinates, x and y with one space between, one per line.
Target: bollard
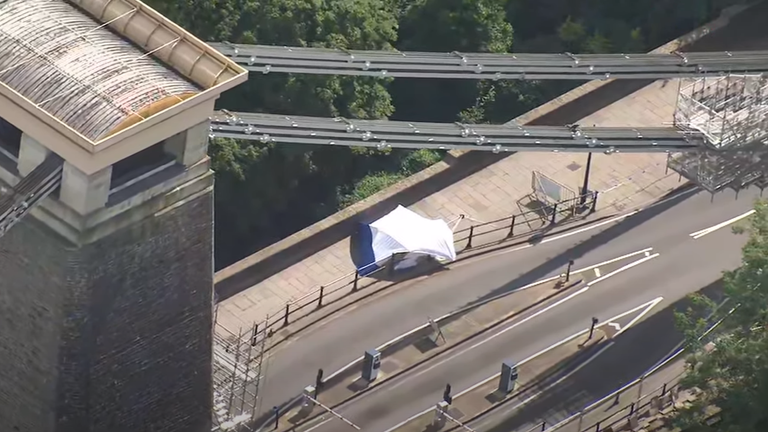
597 427
594 202
568 271
512 227
320 299
592 329
447 394
471 233
664 389
318 382
354 284
287 312
392 265
632 408
543 426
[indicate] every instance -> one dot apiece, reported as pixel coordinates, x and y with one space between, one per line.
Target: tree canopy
265 192
734 375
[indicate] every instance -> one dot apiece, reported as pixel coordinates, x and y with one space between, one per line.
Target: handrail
351 280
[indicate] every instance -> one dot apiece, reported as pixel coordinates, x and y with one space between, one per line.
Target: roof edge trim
165 40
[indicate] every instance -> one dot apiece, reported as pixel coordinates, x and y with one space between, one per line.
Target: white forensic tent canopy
403 231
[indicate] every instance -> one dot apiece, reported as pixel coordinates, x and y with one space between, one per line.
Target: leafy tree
734 376
265 192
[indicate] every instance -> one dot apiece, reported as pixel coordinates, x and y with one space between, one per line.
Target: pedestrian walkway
623 180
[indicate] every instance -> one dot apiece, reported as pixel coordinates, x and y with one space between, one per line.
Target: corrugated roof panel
77 70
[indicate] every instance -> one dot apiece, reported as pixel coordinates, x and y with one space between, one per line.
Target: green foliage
734 376
267 192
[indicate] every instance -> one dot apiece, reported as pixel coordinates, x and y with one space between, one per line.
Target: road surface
666 227
685 265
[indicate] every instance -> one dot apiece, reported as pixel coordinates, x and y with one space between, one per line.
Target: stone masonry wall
32 281
125 326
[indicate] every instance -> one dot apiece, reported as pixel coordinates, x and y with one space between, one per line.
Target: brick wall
114 336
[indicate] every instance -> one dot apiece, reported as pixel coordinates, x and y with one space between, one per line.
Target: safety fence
526 221
637 405
547 215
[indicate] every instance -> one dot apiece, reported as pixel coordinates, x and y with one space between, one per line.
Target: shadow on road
561 260
634 353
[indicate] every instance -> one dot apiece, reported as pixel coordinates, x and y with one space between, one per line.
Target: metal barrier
352 282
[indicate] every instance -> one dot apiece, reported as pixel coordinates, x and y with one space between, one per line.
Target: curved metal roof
80 72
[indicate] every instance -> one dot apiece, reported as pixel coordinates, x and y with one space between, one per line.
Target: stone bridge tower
106 284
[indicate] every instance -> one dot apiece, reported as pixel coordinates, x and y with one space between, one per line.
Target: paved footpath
624 181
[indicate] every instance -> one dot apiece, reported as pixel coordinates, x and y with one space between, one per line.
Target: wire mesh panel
549 191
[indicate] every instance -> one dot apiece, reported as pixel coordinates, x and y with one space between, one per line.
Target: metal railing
333 291
659 397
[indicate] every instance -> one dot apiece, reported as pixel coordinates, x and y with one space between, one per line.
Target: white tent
404 232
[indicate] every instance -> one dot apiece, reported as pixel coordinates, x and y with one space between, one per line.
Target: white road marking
396 339
595 267
565 235
699 234
561 379
530 317
617 326
647 306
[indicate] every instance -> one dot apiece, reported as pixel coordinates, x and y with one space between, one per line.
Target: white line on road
647 306
565 235
396 339
699 234
597 271
530 317
554 384
645 252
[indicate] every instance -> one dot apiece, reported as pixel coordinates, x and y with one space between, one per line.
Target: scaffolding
238 367
732 113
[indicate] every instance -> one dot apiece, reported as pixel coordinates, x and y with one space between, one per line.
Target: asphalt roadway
685 265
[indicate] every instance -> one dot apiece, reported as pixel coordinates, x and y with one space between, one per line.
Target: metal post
568 271
512 227
255 334
392 265
354 284
471 233
318 382
543 426
554 213
276 410
447 394
581 420
640 389
592 329
664 389
597 427
287 312
320 299
594 202
585 186
632 408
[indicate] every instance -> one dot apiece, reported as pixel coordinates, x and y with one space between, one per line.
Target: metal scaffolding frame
456 65
732 113
385 134
238 366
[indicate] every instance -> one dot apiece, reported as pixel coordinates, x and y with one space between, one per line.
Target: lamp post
585 186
